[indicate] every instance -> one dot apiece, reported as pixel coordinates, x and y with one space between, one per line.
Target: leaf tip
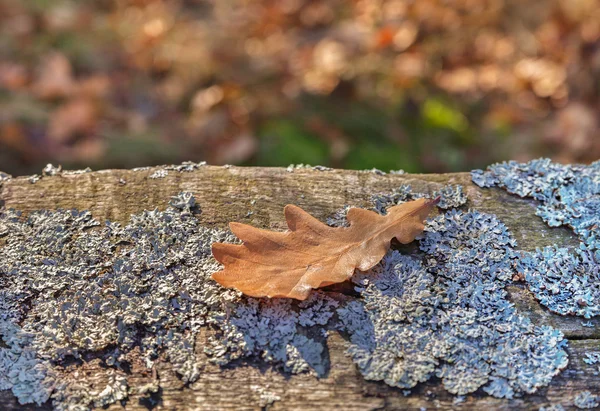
435 201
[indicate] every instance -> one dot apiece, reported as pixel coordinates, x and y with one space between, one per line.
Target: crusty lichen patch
72 288
447 315
444 312
585 400
275 330
21 370
567 281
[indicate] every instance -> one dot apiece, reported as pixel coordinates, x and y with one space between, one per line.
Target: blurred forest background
422 85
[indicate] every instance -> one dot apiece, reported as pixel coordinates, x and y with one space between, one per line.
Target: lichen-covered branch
101 313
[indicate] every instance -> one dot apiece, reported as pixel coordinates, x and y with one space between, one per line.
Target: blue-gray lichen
448 315
591 358
586 399
569 194
566 281
552 407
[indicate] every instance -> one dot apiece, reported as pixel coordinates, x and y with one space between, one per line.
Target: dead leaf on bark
312 254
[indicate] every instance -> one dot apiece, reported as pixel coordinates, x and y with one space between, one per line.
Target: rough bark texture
257 196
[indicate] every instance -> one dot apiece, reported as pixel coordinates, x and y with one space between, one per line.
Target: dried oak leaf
312 254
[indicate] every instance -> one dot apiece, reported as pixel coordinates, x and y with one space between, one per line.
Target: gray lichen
451 196
51 170
161 173
275 330
186 166
448 315
73 391
184 202
48 171
266 397
375 171
21 371
586 400
566 281
115 390
77 172
71 287
293 167
459 399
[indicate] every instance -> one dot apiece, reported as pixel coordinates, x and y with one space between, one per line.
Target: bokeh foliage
424 85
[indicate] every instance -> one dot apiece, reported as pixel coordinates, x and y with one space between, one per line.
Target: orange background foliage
426 86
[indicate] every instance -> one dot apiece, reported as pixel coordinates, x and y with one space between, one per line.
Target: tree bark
257 196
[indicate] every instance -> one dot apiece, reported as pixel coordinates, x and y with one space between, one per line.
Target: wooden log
257 196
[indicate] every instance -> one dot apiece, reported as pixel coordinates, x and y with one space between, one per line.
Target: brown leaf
312 254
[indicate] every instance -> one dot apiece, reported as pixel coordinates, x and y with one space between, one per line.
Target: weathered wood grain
257 196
